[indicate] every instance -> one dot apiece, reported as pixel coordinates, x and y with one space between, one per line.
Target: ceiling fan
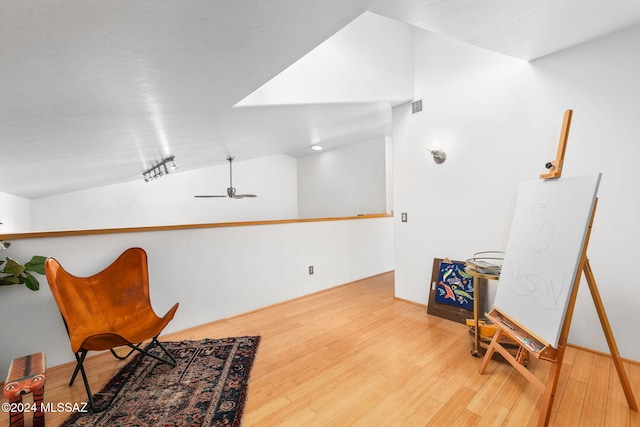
231 191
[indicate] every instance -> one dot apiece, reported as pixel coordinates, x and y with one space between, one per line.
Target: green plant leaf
13 268
14 273
36 264
9 280
31 282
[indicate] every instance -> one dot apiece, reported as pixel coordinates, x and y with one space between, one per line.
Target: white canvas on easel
545 257
543 252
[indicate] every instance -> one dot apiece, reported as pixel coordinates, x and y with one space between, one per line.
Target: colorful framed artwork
451 292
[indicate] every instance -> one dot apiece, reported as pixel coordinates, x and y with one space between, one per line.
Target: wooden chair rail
66 233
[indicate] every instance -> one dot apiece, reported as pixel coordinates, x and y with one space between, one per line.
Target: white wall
499 120
369 60
214 273
345 181
169 200
15 213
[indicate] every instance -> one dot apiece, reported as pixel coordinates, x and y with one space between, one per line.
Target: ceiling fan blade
231 191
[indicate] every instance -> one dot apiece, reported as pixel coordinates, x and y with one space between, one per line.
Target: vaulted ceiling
93 92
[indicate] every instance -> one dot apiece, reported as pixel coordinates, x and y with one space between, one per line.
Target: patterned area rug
208 387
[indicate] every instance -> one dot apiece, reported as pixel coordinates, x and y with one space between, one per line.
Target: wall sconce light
439 156
160 169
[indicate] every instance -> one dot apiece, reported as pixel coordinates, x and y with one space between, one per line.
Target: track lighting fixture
160 169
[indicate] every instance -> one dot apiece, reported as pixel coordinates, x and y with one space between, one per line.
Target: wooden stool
26 375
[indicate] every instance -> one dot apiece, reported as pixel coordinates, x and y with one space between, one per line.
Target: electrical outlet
311 269
403 217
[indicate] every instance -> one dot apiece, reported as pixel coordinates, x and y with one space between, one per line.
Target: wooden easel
555 166
537 347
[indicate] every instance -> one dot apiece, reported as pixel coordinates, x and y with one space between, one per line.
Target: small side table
26 375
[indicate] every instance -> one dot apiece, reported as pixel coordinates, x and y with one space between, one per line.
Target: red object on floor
26 375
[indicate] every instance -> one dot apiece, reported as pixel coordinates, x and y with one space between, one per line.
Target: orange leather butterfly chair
107 310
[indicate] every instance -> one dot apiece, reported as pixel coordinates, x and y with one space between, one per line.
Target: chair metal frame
81 355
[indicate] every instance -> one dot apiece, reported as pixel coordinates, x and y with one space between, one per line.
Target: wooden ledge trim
66 233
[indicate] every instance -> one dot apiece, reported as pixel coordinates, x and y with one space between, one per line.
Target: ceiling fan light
316 147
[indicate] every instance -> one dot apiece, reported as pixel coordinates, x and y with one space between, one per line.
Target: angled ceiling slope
525 29
94 92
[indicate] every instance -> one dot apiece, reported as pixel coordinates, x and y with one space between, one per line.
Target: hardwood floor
356 356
